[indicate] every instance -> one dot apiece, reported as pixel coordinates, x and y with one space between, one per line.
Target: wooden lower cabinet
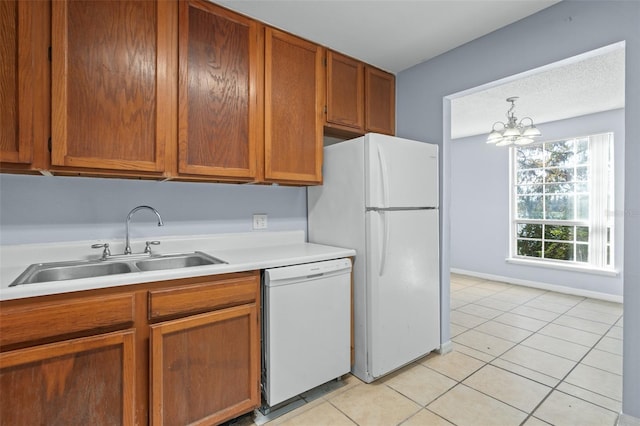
204 368
173 352
86 381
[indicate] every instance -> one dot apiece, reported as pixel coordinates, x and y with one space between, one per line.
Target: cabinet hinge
324 61
49 144
49 54
325 109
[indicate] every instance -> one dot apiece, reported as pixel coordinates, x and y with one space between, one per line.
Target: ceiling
390 34
587 84
396 34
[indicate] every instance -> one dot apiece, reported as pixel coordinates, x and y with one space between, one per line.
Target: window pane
559 175
530 176
582 173
553 189
559 188
559 207
530 207
530 157
553 232
529 230
582 212
582 252
560 251
582 187
582 233
582 151
530 248
529 189
559 153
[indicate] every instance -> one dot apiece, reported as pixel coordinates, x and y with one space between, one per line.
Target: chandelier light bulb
531 132
513 131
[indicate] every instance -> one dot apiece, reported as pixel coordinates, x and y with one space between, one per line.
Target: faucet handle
106 252
148 244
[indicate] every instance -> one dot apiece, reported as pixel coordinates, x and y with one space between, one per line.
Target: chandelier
514 131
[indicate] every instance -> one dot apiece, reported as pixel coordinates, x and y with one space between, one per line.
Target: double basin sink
72 270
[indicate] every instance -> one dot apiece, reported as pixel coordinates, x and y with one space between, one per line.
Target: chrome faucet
127 247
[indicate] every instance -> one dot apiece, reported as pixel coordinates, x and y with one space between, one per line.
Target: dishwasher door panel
307 333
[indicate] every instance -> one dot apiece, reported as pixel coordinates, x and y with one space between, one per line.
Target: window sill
563 267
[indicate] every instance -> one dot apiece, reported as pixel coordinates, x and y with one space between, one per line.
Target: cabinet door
23 78
294 84
110 84
86 381
205 368
345 92
380 100
218 113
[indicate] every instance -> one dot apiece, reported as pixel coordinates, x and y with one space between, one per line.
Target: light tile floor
521 356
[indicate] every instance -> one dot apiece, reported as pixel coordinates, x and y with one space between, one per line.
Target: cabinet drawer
202 297
46 320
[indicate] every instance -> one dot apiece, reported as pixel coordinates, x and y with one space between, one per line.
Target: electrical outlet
259 221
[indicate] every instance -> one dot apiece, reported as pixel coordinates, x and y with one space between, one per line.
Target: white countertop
242 252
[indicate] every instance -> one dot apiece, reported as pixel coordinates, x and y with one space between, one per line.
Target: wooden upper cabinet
360 98
380 101
86 381
294 100
345 92
23 78
218 109
111 84
15 146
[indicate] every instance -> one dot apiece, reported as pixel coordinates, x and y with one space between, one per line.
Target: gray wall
566 29
479 194
36 209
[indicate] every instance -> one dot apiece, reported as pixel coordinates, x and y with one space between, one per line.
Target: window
562 194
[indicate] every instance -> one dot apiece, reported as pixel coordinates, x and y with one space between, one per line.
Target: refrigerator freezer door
403 288
400 172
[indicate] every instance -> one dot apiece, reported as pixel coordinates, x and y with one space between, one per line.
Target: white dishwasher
306 327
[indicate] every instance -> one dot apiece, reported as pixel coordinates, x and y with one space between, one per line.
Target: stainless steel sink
62 271
174 261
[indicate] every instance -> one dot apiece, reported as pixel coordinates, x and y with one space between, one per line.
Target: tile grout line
554 388
558 315
493 358
567 375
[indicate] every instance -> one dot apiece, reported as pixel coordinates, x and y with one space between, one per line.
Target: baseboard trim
627 420
543 286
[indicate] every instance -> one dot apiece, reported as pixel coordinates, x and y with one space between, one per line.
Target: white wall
47 209
480 206
563 30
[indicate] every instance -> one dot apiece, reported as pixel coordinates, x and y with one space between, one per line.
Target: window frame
514 221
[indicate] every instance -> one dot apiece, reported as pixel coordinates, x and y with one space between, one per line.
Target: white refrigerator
380 197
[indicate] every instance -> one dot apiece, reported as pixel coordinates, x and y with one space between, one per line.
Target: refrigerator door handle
384 173
385 240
